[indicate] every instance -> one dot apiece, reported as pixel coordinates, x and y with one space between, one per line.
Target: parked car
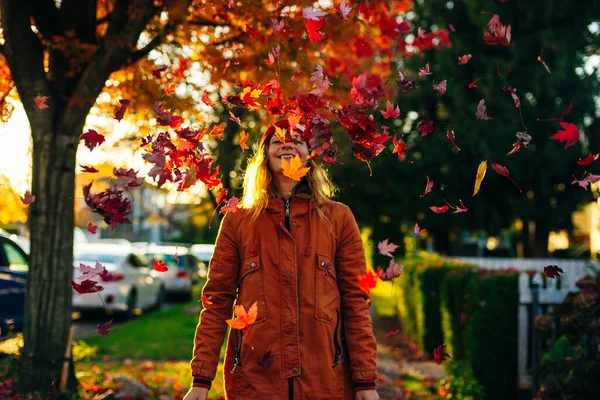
13 283
182 272
203 252
135 284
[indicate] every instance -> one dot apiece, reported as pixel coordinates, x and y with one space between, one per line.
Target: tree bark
540 240
51 222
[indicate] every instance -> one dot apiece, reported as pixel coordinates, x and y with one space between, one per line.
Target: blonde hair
259 187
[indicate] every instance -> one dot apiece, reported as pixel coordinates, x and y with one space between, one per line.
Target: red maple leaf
425 126
206 100
399 148
230 206
513 94
104 329
439 354
27 198
92 228
418 231
158 70
392 333
439 210
498 34
502 170
121 110
86 286
390 111
92 139
588 160
451 137
482 111
159 265
385 248
440 87
462 60
405 85
473 84
569 134
313 26
428 187
205 300
367 281
40 101
553 271
425 70
88 168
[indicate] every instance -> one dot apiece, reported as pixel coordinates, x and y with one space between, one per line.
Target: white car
182 272
203 252
136 285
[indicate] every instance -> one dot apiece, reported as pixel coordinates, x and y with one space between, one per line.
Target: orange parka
313 336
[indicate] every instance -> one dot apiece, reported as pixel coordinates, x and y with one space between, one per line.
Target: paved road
86 323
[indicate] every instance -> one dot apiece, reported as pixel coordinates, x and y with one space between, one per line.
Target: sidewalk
401 365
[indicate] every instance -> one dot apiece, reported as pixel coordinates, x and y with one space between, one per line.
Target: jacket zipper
339 354
237 349
287 225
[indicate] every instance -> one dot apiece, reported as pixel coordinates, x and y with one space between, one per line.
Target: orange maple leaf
243 319
293 169
40 101
243 139
170 88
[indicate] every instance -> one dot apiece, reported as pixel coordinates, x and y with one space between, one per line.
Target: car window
16 259
99 257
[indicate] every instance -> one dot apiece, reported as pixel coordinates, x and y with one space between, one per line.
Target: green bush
491 332
453 310
460 383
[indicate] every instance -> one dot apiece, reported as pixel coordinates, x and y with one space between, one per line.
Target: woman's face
288 149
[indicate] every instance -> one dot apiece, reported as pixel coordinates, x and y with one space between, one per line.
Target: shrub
491 332
460 383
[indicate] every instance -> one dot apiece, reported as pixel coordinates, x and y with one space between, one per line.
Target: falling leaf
569 134
540 59
344 10
104 329
27 198
440 87
418 231
439 210
277 25
498 34
205 300
390 111
392 333
206 100
587 180
473 84
243 139
120 112
92 228
86 286
231 206
480 175
399 148
425 70
425 126
439 354
421 33
40 101
170 87
450 137
158 70
405 85
458 209
293 169
367 281
243 319
88 168
92 139
513 94
428 187
462 60
392 271
502 170
553 271
523 139
482 111
311 14
588 160
159 265
385 248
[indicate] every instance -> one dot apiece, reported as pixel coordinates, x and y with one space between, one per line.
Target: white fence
551 292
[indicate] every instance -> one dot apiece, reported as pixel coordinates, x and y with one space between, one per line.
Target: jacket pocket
327 295
251 287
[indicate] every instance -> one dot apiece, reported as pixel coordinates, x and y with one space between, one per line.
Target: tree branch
79 15
24 55
143 52
104 19
45 15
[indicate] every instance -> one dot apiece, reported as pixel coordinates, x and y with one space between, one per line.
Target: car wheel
160 299
131 303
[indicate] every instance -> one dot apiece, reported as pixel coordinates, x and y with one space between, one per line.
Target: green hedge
473 311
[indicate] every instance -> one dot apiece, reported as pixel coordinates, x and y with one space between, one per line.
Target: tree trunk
540 240
51 222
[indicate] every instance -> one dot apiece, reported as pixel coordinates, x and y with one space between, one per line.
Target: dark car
13 283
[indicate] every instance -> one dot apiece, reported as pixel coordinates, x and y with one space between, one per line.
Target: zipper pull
234 365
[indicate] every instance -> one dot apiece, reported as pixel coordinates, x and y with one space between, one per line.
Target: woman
297 254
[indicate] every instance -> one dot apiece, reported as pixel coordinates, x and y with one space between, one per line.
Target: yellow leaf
293 169
480 175
280 132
